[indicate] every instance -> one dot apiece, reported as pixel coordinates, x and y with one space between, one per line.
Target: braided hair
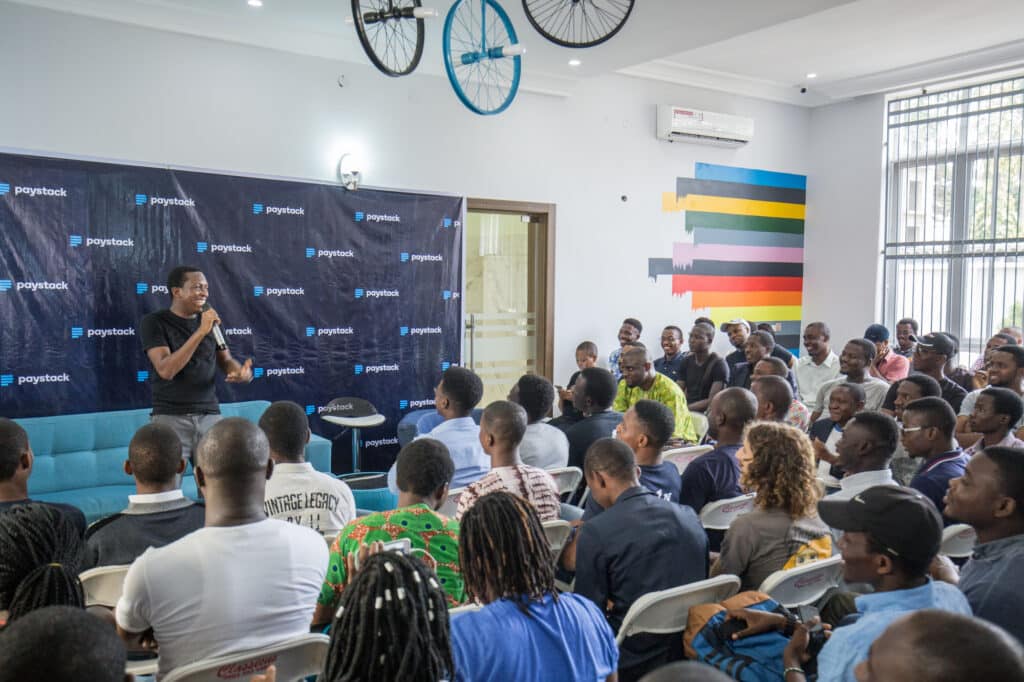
40 555
504 553
391 625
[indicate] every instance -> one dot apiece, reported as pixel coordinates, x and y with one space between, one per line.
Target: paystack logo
147 200
421 257
418 331
310 409
203 247
380 442
278 291
142 376
238 331
76 332
360 217
76 240
272 372
7 285
264 209
448 223
145 288
375 293
93 333
6 380
33 192
445 365
330 331
329 253
375 369
415 404
257 372
34 380
4 189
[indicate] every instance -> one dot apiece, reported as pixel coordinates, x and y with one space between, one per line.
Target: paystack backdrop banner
331 293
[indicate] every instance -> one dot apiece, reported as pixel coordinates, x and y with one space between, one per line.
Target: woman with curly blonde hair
783 531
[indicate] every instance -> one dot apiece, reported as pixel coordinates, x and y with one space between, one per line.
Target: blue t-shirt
932 479
673 368
568 640
661 479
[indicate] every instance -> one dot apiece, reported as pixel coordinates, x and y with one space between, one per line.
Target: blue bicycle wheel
482 55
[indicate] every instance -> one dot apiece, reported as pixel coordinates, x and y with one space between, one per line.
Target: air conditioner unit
679 124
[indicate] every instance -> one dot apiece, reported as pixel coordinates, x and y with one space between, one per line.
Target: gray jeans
189 427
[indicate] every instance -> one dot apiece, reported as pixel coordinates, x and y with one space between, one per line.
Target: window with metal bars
954 237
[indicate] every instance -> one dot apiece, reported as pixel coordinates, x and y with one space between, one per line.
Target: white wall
85 87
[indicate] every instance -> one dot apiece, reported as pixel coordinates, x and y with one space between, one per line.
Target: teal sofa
79 458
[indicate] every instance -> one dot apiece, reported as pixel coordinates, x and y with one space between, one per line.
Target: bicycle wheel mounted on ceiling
391 33
578 23
482 55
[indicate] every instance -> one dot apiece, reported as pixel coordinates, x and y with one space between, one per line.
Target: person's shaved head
506 421
233 447
613 458
771 366
636 353
940 646
155 454
774 391
737 405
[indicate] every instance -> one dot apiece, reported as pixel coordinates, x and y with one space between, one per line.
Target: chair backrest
557 532
566 478
682 457
295 659
666 611
451 505
804 584
700 424
103 585
958 541
719 515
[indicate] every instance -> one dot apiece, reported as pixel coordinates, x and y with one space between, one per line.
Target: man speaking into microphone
185 345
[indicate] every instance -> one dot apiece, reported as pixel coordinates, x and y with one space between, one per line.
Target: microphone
218 335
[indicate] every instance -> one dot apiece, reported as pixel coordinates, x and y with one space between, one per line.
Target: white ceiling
761 48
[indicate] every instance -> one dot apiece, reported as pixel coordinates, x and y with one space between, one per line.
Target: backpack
708 639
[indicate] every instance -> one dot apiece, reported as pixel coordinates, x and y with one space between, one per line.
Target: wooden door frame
545 249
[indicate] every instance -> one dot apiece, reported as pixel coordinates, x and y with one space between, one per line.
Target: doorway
509 292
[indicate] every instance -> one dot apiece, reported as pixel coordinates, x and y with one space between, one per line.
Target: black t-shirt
699 378
583 433
952 392
192 390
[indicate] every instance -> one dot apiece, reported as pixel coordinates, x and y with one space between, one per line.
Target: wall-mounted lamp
347 173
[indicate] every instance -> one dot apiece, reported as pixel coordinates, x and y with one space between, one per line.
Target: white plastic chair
804 584
958 541
566 478
720 515
295 659
700 424
682 457
451 505
557 532
103 585
666 611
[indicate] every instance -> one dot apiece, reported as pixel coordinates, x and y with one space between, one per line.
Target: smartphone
401 546
807 614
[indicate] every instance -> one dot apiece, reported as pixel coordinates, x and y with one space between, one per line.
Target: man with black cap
931 353
888 366
890 537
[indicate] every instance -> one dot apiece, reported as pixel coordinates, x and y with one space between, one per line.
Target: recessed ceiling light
812 75
574 62
255 3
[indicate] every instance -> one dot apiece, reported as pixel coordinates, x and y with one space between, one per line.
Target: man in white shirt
454 398
297 492
543 446
818 366
242 582
865 450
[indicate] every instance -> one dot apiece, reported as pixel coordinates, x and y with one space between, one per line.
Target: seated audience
424 470
928 426
818 366
645 428
455 397
890 537
586 356
62 644
296 492
593 396
887 365
40 558
715 475
629 333
526 629
845 401
16 460
797 415
543 445
857 355
1005 370
996 410
641 543
906 331
243 581
864 451
915 386
990 497
417 645
640 381
783 530
501 430
931 353
158 513
939 646
670 364
704 372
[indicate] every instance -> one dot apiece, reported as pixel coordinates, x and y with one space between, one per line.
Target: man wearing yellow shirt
641 381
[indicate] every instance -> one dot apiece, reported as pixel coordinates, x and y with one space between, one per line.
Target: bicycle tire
459 70
554 19
386 56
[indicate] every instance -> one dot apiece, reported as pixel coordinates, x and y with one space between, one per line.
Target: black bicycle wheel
578 23
391 34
